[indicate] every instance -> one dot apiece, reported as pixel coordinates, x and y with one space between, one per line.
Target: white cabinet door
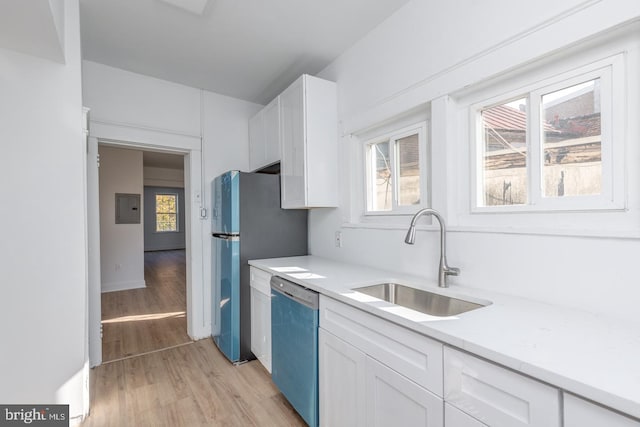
309 144
409 353
497 396
580 413
293 145
341 382
256 141
271 122
261 316
264 136
393 400
454 417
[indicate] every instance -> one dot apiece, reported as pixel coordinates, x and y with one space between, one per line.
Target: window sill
386 225
540 231
525 231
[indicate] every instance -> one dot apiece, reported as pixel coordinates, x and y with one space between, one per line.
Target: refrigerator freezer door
226 203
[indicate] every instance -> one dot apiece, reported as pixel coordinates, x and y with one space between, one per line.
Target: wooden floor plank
173 381
142 320
189 385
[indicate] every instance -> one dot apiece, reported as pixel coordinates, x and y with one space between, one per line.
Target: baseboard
123 286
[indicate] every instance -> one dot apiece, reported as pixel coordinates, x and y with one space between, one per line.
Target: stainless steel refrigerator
247 223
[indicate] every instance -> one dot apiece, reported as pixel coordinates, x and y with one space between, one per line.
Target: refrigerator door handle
225 236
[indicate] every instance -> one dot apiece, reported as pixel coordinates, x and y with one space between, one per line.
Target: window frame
176 196
610 71
419 128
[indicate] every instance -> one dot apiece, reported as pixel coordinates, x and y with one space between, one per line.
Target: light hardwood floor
189 385
142 320
173 381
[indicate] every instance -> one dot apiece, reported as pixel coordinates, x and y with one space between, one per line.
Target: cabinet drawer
497 396
260 280
579 413
413 355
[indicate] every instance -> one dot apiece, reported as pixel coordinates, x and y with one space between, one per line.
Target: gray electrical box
127 208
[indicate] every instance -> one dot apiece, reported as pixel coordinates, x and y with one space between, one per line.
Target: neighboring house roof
503 117
580 126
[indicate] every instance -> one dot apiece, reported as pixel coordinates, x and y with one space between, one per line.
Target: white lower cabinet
497 396
357 390
581 413
261 316
361 373
394 400
373 372
342 382
453 417
413 355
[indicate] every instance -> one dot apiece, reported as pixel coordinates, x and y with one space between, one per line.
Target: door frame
126 136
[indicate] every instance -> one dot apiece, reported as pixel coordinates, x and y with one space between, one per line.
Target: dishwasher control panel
299 293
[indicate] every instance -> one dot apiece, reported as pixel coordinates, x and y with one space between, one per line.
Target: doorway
190 147
143 258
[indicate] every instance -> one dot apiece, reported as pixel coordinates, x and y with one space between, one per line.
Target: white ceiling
34 27
248 49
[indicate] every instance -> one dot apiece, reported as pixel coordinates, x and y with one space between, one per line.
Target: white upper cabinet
309 144
271 122
264 136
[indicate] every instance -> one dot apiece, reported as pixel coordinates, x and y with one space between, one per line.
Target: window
395 171
166 213
504 144
549 147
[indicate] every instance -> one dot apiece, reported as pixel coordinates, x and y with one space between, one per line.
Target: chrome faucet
444 270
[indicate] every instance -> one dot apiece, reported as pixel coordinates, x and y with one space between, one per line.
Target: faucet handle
452 271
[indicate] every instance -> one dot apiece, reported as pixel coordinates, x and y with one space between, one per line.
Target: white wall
430 49
226 133
121 245
42 250
120 97
158 114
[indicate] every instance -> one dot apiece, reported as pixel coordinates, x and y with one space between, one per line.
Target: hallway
138 321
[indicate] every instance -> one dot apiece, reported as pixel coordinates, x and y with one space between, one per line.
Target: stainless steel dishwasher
294 346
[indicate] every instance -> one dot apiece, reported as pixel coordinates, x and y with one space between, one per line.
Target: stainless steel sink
419 300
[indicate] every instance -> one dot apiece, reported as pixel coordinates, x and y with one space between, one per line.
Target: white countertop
590 355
